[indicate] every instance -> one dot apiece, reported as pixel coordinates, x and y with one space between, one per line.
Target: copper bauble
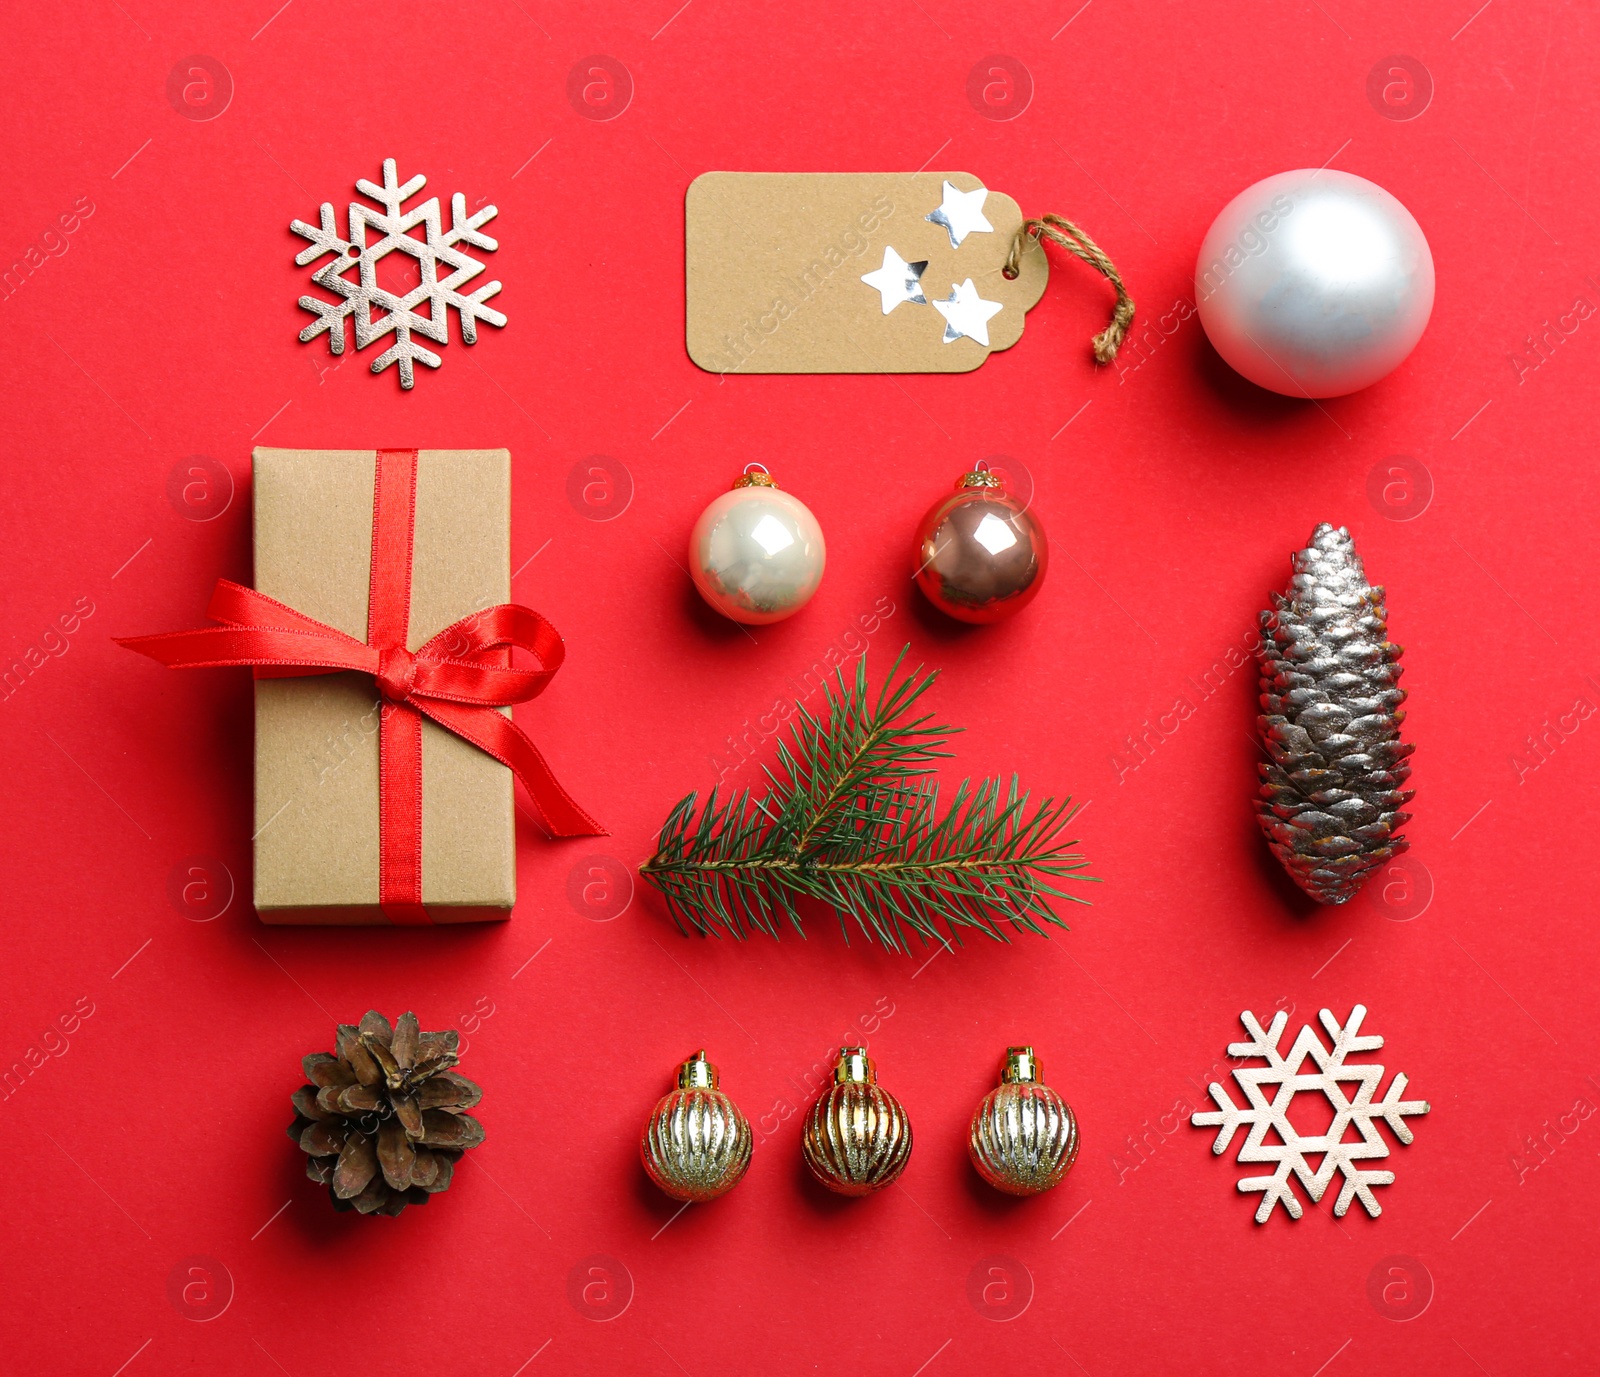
857 1137
697 1143
980 553
1024 1137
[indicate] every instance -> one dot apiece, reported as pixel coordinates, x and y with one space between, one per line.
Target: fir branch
851 818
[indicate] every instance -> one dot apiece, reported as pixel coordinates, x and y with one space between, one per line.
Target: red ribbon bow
457 679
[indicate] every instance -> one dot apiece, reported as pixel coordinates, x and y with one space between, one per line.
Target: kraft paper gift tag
775 265
866 272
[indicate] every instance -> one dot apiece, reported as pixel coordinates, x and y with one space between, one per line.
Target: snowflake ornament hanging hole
377 312
1311 1158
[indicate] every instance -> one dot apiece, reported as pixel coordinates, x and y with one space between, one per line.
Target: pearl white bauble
757 554
1314 283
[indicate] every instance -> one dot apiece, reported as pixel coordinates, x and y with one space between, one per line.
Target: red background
166 328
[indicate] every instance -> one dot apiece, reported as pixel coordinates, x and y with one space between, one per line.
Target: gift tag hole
1010 274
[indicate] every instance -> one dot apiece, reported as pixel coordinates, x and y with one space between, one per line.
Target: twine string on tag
1063 232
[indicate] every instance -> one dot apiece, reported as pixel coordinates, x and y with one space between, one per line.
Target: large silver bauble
1314 283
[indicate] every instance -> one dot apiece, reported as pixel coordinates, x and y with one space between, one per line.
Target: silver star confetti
966 314
961 214
897 280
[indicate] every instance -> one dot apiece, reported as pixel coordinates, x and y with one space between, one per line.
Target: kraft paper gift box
316 742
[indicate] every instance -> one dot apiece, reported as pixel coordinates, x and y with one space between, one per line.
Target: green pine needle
851 817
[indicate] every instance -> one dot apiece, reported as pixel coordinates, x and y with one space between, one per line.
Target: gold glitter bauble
1024 1137
857 1138
697 1143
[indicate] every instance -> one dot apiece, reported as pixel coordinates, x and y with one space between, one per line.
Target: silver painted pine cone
697 1143
1331 797
1024 1137
857 1137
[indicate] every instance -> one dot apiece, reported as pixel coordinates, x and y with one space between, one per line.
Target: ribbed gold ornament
697 1143
857 1137
1024 1137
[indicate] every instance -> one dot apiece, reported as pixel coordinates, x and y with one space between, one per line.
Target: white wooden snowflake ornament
443 270
1289 1154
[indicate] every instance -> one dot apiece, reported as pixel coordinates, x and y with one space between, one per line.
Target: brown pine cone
384 1120
1333 794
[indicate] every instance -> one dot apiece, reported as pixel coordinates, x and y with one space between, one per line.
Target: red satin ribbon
457 679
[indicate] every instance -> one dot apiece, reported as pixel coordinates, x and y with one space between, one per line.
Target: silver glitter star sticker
966 314
897 280
961 214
